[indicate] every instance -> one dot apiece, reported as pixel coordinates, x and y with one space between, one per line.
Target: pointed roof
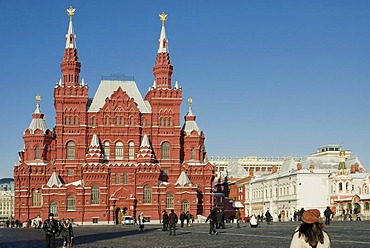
190 124
94 149
71 36
163 42
38 121
145 154
183 179
54 180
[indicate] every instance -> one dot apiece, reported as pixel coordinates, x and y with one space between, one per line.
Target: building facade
6 199
116 153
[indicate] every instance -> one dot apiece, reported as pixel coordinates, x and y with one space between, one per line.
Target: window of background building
147 194
95 194
185 206
71 202
131 150
165 150
54 208
119 151
169 201
71 150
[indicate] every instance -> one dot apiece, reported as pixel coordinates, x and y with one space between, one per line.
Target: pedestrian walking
66 231
358 216
51 228
327 214
212 220
268 217
237 217
172 219
165 220
310 232
182 218
141 222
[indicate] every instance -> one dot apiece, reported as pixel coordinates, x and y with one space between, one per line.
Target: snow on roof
76 183
183 179
54 180
106 89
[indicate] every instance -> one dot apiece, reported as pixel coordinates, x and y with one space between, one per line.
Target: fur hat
51 214
311 216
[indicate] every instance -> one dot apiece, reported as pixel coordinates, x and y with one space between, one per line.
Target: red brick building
116 153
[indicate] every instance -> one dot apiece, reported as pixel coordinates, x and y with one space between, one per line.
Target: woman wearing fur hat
67 233
310 233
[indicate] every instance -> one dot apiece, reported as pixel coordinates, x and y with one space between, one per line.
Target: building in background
316 181
6 199
114 154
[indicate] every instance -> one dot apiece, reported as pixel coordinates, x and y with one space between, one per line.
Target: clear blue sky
267 78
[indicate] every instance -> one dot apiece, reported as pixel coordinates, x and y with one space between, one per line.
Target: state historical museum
114 154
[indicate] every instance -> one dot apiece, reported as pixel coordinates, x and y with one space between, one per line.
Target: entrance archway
118 216
357 208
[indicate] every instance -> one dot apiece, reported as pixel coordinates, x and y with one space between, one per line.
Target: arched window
147 194
192 153
71 202
71 150
125 179
107 120
340 187
119 151
95 194
160 121
185 206
131 121
36 197
106 150
117 178
37 152
131 150
366 207
54 208
76 120
169 201
66 120
165 150
93 121
170 122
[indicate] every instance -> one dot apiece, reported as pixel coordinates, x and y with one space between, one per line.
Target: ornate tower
165 102
70 101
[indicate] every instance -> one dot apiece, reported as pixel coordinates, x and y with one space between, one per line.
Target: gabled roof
183 179
106 89
54 180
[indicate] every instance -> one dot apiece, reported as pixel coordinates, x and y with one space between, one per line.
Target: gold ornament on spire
71 12
38 98
163 18
190 100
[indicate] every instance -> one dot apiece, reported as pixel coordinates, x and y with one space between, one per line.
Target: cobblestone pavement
343 234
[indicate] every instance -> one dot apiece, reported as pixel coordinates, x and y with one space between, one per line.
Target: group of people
169 221
62 228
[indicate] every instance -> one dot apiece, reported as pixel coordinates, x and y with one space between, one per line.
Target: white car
128 220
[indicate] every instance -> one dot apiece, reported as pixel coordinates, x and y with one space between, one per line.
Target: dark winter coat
327 212
212 216
173 218
66 230
51 227
165 217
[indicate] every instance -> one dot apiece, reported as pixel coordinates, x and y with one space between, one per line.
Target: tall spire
190 125
163 69
70 65
70 36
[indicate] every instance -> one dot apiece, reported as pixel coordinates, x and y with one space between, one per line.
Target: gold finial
163 18
71 12
190 100
38 98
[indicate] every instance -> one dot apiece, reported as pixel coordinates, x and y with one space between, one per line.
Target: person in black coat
66 231
182 218
327 214
51 227
212 220
165 221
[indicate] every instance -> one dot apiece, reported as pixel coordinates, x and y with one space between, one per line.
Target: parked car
128 220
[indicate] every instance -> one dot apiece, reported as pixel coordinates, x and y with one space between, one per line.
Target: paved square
343 234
